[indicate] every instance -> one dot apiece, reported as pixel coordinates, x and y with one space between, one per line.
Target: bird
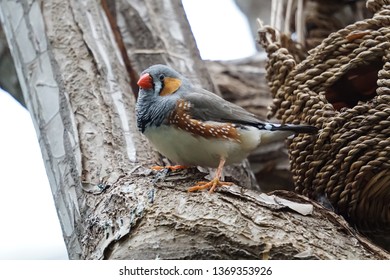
194 127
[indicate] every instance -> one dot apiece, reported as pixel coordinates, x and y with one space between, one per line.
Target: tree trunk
72 70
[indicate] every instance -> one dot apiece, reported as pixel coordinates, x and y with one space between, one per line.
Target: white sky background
29 225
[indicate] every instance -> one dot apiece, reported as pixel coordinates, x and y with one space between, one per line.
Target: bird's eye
161 77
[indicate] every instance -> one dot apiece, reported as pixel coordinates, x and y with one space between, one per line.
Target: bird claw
169 167
213 184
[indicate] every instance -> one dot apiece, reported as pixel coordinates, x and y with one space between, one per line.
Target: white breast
184 148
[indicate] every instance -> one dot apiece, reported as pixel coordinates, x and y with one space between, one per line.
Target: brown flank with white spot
182 120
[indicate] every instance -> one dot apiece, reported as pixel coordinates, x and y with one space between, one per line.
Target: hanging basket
343 88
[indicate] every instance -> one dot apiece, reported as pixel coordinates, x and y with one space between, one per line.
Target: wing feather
207 106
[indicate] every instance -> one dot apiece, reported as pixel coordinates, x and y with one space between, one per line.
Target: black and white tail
293 128
269 133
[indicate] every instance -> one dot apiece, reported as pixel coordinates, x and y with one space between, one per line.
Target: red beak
145 81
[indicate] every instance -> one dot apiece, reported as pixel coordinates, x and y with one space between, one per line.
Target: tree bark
72 70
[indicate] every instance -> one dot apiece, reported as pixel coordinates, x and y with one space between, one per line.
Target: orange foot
213 184
170 167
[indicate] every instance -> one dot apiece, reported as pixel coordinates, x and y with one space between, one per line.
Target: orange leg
170 167
214 183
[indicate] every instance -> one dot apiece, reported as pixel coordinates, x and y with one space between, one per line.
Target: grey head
156 98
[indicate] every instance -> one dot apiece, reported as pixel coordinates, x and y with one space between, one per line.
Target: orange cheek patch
182 120
170 86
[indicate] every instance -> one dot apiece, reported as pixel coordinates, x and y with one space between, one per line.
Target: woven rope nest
343 88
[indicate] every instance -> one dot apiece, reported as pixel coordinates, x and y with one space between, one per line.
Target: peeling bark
233 224
111 206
